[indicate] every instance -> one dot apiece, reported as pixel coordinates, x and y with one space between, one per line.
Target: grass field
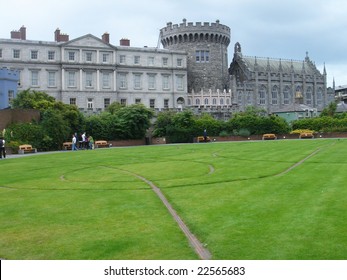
241 199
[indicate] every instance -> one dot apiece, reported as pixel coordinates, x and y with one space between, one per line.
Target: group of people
83 143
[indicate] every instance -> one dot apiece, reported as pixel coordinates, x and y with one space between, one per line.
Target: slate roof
275 65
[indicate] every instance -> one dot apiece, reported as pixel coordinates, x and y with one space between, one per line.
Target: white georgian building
91 73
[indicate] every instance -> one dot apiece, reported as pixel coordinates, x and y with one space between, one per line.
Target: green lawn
233 196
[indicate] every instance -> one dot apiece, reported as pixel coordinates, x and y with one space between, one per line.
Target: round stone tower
207 48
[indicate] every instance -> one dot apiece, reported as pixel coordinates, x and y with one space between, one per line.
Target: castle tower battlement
183 32
206 45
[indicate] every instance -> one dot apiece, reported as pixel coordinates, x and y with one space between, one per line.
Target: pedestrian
84 143
2 147
74 140
205 135
91 142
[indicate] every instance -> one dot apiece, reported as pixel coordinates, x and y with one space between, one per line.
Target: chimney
124 42
21 34
106 37
58 37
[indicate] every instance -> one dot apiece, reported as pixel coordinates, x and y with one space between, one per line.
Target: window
286 95
151 81
202 56
309 96
262 93
10 96
166 103
90 104
106 80
165 61
274 95
51 55
34 78
152 103
197 101
71 79
136 59
16 53
51 79
221 101
206 101
151 61
107 102
105 57
72 101
34 54
137 81
179 82
122 80
137 100
122 59
72 56
166 82
319 96
123 102
0 53
89 79
214 101
89 56
179 62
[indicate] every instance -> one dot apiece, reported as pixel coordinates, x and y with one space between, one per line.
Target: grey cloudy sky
266 28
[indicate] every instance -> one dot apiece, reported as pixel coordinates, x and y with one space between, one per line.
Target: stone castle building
192 70
277 85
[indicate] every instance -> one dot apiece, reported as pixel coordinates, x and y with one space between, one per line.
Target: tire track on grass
198 247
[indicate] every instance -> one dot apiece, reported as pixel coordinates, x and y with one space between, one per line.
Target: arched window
319 96
309 96
262 95
274 95
286 95
197 101
206 101
222 101
189 102
214 101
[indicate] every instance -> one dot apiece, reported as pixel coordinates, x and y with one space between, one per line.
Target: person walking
2 148
74 140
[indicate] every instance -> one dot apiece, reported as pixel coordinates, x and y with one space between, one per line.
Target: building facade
8 86
191 71
277 85
91 73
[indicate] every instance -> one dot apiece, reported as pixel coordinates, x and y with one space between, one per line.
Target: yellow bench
101 144
306 135
269 136
67 145
202 139
22 149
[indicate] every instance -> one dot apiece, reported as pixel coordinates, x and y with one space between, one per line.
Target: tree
31 99
330 110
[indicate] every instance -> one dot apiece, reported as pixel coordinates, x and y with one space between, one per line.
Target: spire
280 66
324 70
334 83
268 65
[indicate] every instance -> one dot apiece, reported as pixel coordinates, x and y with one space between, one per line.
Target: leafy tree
31 99
114 107
134 120
330 110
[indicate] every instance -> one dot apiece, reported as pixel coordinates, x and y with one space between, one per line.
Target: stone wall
8 116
